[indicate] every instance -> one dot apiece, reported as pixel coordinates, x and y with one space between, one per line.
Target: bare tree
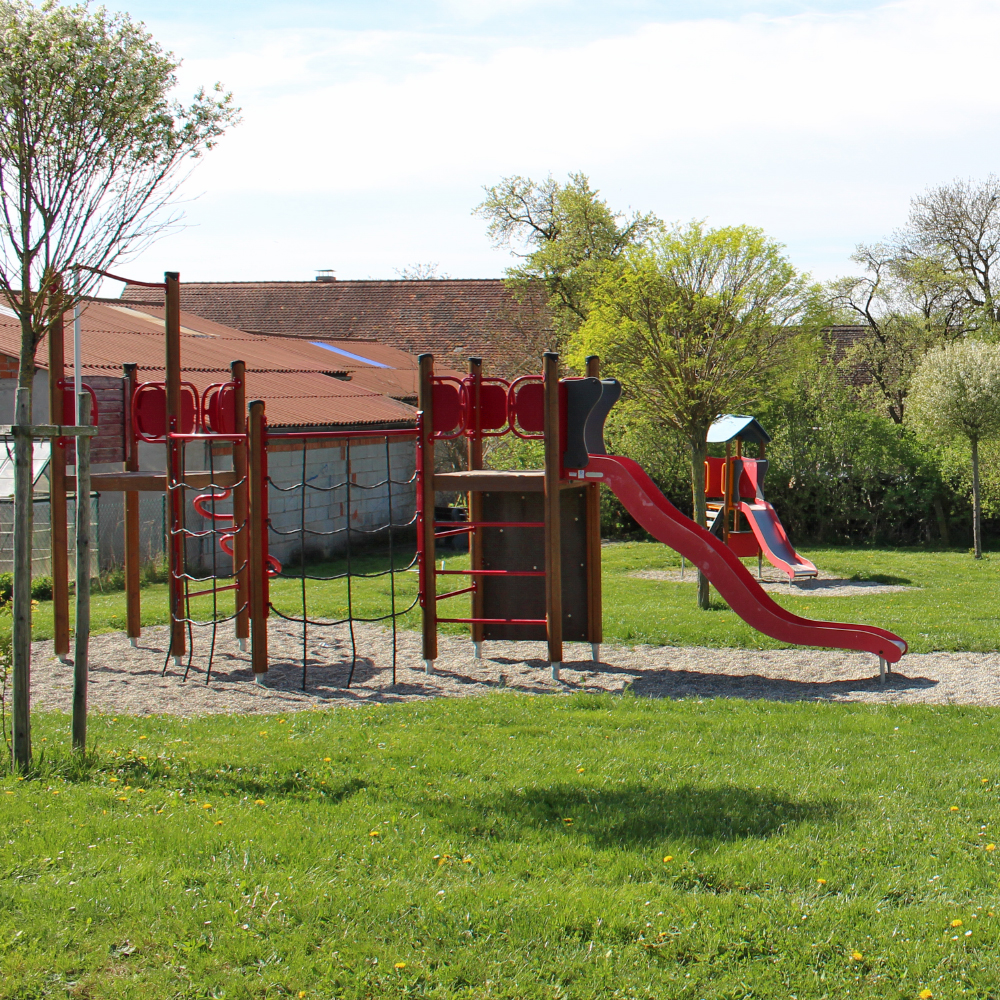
92 148
956 227
907 305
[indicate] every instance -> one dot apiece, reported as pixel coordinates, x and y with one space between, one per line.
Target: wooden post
553 543
133 609
727 492
81 657
58 528
595 611
23 530
476 506
425 512
241 548
257 542
175 471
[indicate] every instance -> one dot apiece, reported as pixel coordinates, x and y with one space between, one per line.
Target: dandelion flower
400 965
857 956
668 857
991 847
258 802
956 923
821 881
207 805
218 822
568 820
122 798
374 833
925 994
302 993
112 778
954 809
326 760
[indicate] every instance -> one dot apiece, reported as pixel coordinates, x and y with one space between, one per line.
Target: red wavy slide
725 571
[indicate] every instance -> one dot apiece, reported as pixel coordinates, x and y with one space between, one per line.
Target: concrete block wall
327 496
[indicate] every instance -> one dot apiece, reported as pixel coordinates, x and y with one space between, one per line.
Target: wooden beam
241 547
152 482
426 480
133 609
595 609
553 539
58 528
257 542
175 463
476 504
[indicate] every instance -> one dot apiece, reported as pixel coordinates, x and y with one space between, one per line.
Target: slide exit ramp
726 573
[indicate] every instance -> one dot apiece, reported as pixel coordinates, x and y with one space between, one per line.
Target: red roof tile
450 318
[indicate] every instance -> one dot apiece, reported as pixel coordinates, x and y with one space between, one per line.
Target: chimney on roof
326 274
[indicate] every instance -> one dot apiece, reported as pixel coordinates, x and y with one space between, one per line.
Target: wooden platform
151 482
487 481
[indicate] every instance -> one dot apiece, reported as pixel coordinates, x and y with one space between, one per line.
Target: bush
6 587
41 588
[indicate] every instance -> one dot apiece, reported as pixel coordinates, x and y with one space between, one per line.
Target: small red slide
727 574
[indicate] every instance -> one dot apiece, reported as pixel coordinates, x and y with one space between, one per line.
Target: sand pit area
130 681
824 585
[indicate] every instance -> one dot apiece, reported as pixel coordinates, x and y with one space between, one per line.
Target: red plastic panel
220 410
748 479
447 407
529 405
715 476
492 407
743 544
151 410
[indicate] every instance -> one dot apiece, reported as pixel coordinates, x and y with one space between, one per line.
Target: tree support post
425 511
257 476
58 533
81 653
23 530
595 611
553 539
133 608
241 548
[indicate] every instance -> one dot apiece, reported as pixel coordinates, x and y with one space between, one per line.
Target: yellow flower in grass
821 881
400 965
925 994
218 822
857 956
668 857
953 809
207 805
956 923
326 760
991 847
258 802
374 833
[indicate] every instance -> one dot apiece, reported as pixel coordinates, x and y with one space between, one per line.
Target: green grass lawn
510 847
953 609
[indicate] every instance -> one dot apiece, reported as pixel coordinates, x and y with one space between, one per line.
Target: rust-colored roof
302 384
451 318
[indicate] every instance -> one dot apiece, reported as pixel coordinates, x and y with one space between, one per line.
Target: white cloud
818 127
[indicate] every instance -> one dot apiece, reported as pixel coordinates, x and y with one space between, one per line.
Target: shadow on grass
638 814
886 579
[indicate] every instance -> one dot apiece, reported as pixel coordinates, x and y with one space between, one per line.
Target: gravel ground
128 681
774 580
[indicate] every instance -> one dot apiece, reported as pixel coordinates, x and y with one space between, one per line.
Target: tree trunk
699 449
24 530
942 520
977 531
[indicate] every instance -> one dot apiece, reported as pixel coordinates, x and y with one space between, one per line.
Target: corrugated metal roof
288 374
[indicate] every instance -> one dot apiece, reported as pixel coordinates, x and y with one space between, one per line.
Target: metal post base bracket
428 666
882 669
556 667
595 652
133 642
477 650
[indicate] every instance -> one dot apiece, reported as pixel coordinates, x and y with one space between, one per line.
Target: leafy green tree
956 393
563 234
92 147
692 324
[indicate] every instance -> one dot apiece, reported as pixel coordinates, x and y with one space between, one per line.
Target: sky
370 127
